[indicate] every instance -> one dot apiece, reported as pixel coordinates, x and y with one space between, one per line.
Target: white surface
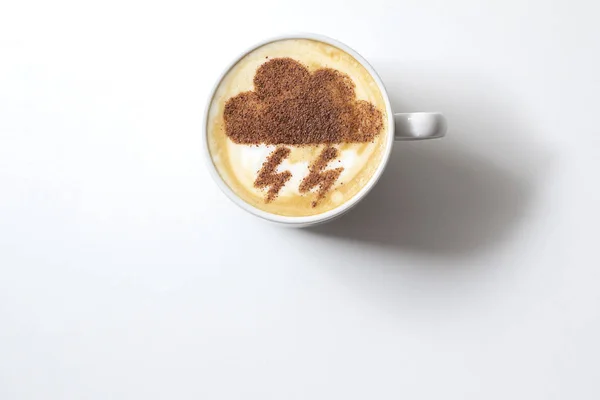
470 272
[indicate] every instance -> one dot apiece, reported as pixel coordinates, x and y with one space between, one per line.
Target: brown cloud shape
292 106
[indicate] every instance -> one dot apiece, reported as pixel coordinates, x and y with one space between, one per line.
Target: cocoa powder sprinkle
318 177
268 175
292 106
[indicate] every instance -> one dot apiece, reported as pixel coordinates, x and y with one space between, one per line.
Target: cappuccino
297 127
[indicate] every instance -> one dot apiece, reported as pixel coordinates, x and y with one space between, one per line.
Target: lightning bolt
318 177
268 175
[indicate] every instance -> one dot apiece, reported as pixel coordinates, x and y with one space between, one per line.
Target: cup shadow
453 197
435 198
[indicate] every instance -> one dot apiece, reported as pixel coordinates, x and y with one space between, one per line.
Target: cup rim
310 219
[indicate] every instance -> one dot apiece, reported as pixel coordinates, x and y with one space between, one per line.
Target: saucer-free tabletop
471 270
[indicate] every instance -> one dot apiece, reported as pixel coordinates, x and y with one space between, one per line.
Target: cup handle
419 126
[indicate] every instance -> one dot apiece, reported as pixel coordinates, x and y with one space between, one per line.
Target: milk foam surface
238 164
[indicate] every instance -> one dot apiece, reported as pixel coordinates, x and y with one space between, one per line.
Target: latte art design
292 106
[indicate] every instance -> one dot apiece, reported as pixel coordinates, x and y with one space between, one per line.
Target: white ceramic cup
405 126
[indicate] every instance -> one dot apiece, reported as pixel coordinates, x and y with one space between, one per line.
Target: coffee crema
297 127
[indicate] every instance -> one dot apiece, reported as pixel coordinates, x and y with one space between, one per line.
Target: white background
472 271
